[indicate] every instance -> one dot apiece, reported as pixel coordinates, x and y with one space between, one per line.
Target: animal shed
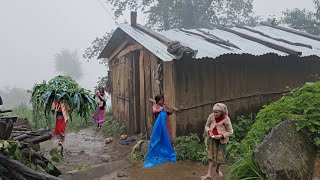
243 67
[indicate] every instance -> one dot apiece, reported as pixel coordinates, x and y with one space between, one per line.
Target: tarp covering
160 149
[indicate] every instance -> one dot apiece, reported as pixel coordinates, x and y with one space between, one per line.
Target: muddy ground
87 148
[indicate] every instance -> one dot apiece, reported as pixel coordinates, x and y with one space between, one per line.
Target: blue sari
160 149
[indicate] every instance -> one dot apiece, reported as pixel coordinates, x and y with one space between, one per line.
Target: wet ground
317 170
166 171
87 148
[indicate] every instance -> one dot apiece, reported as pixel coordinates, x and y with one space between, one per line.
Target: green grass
113 127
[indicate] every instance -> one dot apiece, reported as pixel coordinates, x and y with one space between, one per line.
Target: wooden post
133 18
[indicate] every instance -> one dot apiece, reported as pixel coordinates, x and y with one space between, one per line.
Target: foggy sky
32 31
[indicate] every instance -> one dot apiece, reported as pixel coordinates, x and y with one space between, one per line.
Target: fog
32 31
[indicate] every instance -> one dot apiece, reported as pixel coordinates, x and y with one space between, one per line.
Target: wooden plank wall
119 72
132 78
232 76
149 88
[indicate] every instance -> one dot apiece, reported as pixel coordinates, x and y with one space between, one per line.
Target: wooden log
6 126
19 129
21 132
218 38
154 34
39 139
5 111
300 33
211 40
19 171
43 162
277 39
260 41
21 137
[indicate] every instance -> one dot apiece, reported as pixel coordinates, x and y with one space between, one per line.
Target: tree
168 14
93 52
306 20
68 63
97 46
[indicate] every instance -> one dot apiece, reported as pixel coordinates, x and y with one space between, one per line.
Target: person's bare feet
206 177
220 174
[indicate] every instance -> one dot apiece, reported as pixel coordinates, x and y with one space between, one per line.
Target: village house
243 67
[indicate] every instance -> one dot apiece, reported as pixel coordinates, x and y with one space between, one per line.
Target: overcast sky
31 31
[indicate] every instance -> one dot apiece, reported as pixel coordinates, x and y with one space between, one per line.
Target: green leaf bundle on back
63 87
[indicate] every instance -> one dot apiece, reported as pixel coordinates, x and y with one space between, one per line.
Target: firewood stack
13 128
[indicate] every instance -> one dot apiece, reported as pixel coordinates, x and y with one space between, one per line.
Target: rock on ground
286 154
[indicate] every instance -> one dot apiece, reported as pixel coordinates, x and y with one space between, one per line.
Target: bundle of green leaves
63 87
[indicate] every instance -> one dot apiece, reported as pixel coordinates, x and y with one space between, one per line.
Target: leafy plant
137 156
190 148
78 99
240 130
301 105
56 156
13 150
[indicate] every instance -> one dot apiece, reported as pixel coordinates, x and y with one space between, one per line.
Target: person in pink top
100 99
157 108
218 130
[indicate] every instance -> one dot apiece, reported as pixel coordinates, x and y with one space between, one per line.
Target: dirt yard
87 148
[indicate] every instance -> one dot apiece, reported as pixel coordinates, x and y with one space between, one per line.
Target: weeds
190 148
245 168
113 127
137 156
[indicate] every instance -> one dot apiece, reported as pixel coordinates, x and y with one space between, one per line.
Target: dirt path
87 148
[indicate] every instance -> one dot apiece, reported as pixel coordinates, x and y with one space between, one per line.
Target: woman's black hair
158 98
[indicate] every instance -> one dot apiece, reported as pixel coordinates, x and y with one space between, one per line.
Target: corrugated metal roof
207 49
156 47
